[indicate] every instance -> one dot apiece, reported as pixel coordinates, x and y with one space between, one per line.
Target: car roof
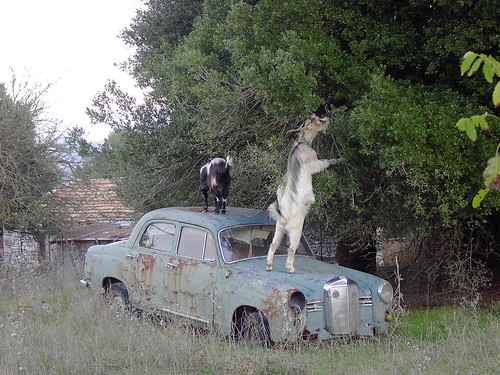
210 220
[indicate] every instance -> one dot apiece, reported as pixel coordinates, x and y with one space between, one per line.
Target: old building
96 215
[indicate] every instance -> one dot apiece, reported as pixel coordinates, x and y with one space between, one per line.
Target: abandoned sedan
211 268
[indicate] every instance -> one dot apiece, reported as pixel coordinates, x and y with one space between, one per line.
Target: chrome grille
313 306
341 306
365 301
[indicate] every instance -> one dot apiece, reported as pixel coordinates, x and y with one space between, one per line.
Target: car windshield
241 243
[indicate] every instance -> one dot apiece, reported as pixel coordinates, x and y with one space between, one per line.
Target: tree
31 159
244 72
156 30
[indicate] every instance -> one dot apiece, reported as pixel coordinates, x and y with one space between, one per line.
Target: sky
72 45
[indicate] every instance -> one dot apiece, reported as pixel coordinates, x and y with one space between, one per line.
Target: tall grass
49 324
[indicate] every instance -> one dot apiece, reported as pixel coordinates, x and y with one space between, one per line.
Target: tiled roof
92 201
97 232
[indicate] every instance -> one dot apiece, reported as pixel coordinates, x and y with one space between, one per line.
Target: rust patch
144 273
270 303
190 295
147 260
184 262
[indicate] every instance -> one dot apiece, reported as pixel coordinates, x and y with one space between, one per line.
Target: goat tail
274 208
229 161
274 212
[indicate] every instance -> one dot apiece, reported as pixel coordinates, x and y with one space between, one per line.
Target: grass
49 324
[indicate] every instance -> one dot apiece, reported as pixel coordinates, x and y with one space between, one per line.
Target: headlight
385 292
297 301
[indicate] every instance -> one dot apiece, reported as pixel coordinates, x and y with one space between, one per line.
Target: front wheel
117 296
255 329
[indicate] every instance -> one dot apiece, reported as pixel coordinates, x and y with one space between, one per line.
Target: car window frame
208 234
147 225
303 240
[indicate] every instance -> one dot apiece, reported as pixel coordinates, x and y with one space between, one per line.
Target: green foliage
31 160
161 25
469 125
238 74
409 172
491 68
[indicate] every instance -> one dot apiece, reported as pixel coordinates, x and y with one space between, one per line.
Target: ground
417 297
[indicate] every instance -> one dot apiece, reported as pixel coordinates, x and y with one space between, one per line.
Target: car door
148 264
191 274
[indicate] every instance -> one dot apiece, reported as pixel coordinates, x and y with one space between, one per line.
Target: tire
255 329
117 296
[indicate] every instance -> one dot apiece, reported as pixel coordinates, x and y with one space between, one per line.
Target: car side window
196 243
209 248
159 236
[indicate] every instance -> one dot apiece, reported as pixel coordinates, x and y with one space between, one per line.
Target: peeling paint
212 292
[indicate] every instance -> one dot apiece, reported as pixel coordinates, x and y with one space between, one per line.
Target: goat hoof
291 270
216 212
204 210
269 267
223 212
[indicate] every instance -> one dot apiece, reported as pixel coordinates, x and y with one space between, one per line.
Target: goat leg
278 235
217 205
270 256
205 196
224 201
290 260
317 166
294 235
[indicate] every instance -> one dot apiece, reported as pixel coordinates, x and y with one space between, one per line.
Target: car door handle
171 265
130 256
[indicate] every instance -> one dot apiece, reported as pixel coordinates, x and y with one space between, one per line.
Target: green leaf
470 129
491 174
466 125
480 121
479 197
461 124
483 123
475 67
469 57
488 71
496 95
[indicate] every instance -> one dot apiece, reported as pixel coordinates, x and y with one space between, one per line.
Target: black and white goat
215 179
296 196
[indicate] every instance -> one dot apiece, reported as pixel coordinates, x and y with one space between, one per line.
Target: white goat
296 197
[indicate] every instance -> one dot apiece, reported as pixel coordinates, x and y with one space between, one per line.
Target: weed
51 325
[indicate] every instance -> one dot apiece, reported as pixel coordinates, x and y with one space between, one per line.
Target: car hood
310 275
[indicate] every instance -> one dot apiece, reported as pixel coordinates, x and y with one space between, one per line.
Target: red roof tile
94 200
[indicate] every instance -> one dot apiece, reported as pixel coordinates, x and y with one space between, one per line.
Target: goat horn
304 125
294 130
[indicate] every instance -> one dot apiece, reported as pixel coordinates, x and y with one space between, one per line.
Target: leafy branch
491 68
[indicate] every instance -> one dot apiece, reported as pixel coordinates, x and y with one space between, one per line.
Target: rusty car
211 269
